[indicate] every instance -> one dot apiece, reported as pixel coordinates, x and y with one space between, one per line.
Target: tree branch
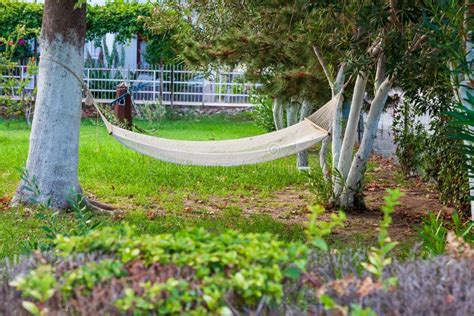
380 73
322 62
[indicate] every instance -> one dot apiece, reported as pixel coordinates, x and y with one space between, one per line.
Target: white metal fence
170 85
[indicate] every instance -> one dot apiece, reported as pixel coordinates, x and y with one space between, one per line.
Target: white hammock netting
243 151
236 152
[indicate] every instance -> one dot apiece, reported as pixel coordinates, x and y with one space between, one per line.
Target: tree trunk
278 114
302 157
350 133
323 154
337 123
54 142
292 110
359 164
292 113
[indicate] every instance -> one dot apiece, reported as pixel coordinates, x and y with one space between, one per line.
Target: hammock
243 151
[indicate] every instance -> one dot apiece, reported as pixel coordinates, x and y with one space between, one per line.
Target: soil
292 205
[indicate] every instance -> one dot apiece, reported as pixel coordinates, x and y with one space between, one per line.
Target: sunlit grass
114 174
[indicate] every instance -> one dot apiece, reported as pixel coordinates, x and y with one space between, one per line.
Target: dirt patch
292 205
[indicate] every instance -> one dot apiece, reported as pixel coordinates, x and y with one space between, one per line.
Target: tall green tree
292 48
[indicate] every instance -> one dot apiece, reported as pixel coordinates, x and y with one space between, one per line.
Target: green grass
155 194
114 174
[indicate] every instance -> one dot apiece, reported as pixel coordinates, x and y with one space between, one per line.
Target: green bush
435 229
432 152
263 112
410 137
191 272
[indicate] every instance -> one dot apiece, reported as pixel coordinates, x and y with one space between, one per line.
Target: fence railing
170 85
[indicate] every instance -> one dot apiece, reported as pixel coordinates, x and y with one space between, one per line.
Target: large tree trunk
53 153
350 133
359 163
302 158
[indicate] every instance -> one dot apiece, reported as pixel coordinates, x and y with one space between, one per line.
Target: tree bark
278 114
350 133
54 142
337 123
323 154
292 113
359 163
336 88
302 157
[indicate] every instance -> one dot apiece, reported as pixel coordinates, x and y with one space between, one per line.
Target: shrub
439 286
409 136
435 229
263 112
115 271
432 152
321 187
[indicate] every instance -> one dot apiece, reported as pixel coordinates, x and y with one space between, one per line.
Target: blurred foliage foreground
117 271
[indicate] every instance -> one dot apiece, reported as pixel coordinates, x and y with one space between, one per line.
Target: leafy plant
433 234
39 286
84 220
321 187
15 78
434 231
409 136
262 111
185 272
379 256
317 230
462 128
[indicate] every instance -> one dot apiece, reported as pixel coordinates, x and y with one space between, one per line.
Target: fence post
172 85
123 107
88 77
220 88
161 82
203 89
22 78
154 85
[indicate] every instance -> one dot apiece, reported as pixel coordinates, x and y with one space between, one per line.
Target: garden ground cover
161 197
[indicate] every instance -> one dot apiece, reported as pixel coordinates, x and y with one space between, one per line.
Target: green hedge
124 19
192 272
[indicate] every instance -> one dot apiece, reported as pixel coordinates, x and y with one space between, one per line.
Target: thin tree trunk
292 113
380 73
337 123
336 128
350 133
54 143
302 157
292 110
323 154
278 114
359 164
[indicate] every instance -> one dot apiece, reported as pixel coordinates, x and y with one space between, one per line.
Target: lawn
154 194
